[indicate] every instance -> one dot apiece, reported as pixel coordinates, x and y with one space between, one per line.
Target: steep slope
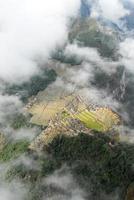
91 33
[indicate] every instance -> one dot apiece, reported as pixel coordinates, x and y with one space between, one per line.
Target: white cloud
29 30
65 182
91 55
131 1
23 133
13 191
9 105
87 53
99 97
127 52
111 10
80 76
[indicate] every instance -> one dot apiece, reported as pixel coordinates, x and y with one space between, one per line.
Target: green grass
13 150
90 121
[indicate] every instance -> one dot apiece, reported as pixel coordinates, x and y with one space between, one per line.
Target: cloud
22 133
29 30
66 187
128 1
9 105
27 161
92 56
111 10
80 76
126 134
127 53
65 184
13 191
99 97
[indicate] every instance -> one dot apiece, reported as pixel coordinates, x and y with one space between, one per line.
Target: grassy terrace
90 121
100 119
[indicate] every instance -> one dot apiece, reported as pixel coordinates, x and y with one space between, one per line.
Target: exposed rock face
130 192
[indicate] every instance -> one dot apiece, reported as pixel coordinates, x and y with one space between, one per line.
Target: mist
29 31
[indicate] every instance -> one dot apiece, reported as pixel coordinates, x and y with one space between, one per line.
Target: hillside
67 132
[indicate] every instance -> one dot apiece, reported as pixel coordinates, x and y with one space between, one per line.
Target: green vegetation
32 87
20 121
89 34
33 176
104 43
93 162
97 162
45 164
13 149
92 157
59 55
90 121
23 172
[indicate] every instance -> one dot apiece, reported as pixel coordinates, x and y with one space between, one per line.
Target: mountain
125 24
73 138
85 8
129 18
